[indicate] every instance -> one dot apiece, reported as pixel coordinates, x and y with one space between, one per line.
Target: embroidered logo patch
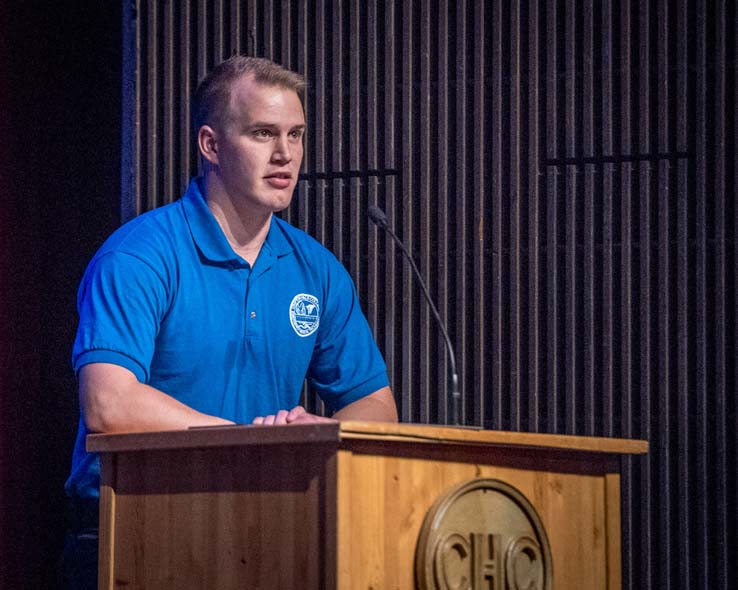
304 314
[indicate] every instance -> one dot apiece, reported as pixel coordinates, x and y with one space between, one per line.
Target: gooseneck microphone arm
380 219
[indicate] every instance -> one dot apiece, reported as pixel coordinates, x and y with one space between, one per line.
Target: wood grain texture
350 430
243 510
215 436
106 540
444 434
614 564
384 497
229 517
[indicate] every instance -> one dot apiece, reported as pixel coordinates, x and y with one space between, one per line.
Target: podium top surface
429 433
346 432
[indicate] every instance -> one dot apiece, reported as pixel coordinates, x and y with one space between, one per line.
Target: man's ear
208 144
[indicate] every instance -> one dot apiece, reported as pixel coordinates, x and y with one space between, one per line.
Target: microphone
380 219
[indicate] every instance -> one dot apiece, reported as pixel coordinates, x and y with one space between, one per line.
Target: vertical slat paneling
411 407
631 541
512 309
268 33
684 274
729 344
336 138
235 22
132 102
202 40
321 108
216 34
423 216
718 519
625 116
372 161
357 188
479 227
534 302
662 270
152 123
288 29
563 172
303 62
442 218
608 302
497 351
464 346
251 37
587 91
700 319
169 101
552 221
648 387
572 190
187 157
589 419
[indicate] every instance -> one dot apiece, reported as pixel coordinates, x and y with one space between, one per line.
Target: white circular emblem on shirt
304 314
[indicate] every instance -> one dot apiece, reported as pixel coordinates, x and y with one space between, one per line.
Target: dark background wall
60 70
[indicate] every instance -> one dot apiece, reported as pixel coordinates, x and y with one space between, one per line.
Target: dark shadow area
60 127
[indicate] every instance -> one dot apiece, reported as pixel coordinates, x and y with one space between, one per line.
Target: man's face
259 147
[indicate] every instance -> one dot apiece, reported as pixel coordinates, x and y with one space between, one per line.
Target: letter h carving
488 571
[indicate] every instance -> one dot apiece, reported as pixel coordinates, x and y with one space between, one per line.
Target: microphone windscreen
377 216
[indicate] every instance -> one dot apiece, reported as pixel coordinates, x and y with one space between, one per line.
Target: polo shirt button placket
249 330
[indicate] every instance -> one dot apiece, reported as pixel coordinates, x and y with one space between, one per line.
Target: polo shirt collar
209 237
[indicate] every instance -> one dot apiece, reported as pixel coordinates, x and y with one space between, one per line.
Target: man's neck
245 229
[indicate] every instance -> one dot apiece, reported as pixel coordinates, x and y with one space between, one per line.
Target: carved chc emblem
483 534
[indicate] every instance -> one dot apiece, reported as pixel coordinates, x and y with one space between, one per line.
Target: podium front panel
223 517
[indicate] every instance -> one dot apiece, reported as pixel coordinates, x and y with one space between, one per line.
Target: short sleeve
121 301
346 364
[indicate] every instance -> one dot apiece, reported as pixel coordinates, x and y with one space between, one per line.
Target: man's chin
282 202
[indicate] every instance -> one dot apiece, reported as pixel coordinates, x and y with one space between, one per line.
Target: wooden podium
337 505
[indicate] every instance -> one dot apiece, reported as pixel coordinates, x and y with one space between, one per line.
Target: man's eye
263 133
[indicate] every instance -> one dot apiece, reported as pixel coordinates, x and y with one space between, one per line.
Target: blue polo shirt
167 298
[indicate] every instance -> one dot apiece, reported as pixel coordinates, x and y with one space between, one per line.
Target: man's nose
282 150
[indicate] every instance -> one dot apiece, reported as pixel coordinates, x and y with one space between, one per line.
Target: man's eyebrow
273 125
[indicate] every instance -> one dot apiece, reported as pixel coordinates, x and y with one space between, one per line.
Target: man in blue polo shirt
212 310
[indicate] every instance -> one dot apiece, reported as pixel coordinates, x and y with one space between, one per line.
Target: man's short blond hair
211 103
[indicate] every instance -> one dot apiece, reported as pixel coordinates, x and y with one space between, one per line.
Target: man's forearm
113 400
378 406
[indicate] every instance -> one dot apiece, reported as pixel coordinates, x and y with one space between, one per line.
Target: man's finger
307 418
295 413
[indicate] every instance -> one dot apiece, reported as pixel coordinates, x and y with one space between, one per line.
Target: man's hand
297 415
378 406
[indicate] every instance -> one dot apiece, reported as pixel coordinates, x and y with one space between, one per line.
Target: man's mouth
279 179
